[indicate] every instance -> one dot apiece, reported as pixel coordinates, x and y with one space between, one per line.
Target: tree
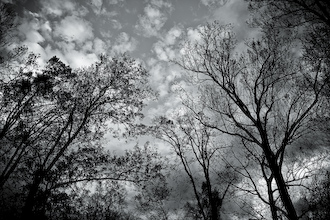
320 197
8 25
292 13
93 185
21 99
260 97
311 19
153 197
52 113
192 142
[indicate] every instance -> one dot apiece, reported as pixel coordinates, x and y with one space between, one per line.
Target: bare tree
292 13
193 143
265 97
311 19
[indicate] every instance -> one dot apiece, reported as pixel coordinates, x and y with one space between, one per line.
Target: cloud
81 11
193 34
80 59
101 7
97 5
85 55
165 48
30 27
72 28
31 34
163 51
162 76
210 3
156 72
162 4
99 46
114 2
165 106
96 46
236 13
34 28
116 24
69 54
172 35
46 30
58 7
71 38
124 43
151 22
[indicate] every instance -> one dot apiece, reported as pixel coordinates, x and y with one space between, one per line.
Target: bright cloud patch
99 46
75 29
32 35
151 22
210 3
113 2
167 107
162 76
194 34
58 7
96 46
164 48
124 43
97 5
162 4
116 24
31 28
80 59
163 51
172 35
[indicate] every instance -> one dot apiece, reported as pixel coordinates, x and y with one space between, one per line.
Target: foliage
51 114
250 133
320 197
153 197
102 193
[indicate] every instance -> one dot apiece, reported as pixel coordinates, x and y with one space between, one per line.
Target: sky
151 31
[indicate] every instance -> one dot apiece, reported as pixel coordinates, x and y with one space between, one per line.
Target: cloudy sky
77 31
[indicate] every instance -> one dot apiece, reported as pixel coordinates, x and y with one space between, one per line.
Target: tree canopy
249 139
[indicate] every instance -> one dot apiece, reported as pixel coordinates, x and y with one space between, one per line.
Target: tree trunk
277 174
212 200
282 188
30 202
214 208
271 199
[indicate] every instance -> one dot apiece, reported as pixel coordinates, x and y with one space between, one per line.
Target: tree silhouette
260 97
193 144
50 114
